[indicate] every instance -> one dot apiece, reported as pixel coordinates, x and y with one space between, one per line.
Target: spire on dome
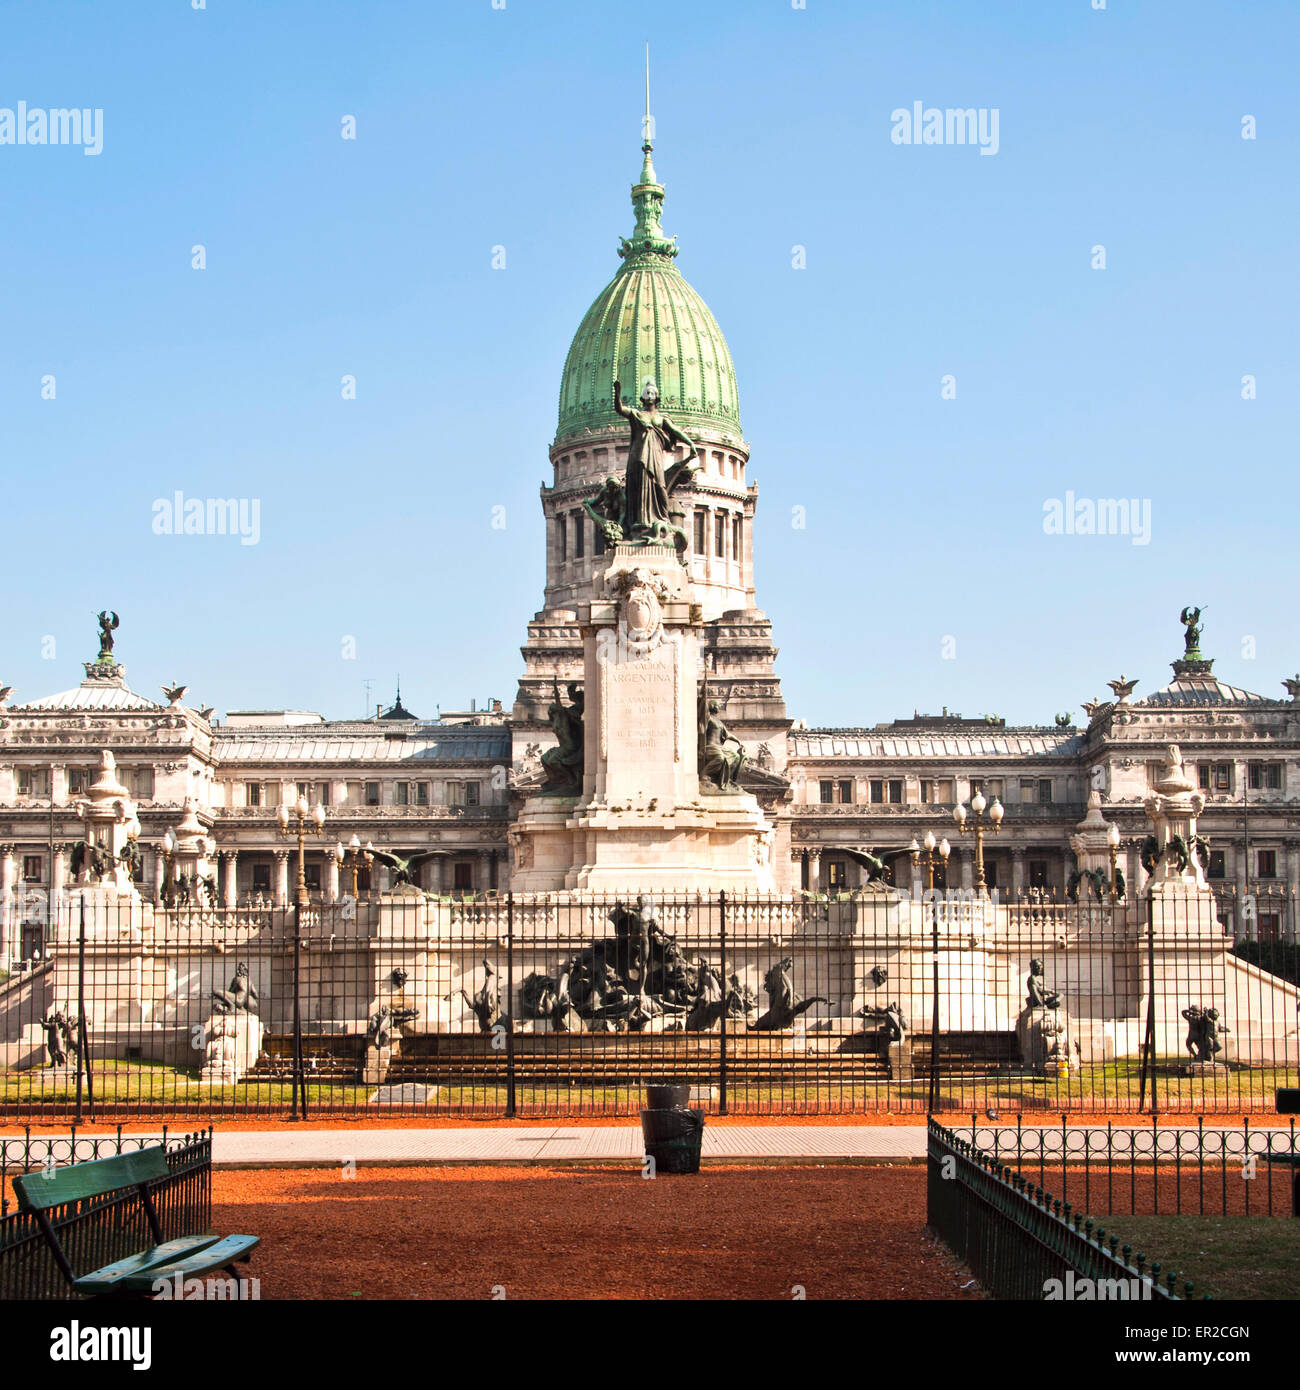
647 196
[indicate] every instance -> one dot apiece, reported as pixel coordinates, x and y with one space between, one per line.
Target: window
1028 791
597 541
1266 863
562 530
896 792
33 867
699 530
138 780
990 786
403 790
363 879
1215 777
1038 873
33 781
1269 926
846 790
837 878
827 790
311 876
735 538
937 793
372 793
324 793
720 535
1045 790
78 781
462 876
927 793
421 793
253 793
462 793
1218 865
304 791
579 537
991 873
1266 777
876 791
261 878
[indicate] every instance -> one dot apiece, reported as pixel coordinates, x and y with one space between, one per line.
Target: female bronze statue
654 437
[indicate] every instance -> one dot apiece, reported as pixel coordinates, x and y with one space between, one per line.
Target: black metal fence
1020 1241
554 1006
94 1231
1151 1170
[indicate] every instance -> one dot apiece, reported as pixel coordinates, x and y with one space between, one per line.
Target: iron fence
95 1231
1019 1240
1152 1170
562 1005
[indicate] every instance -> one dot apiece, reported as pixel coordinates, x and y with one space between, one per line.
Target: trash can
673 1133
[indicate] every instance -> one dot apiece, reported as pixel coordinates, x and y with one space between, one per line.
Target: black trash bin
674 1139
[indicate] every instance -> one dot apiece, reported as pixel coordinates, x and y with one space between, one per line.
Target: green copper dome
648 322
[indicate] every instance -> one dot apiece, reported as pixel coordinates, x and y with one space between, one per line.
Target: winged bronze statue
174 693
877 869
5 692
404 869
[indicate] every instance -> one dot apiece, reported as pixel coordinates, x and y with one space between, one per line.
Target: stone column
967 869
1017 870
482 870
814 870
8 907
229 878
159 873
435 873
58 876
331 878
281 877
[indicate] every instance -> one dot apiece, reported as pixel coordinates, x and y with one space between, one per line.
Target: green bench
134 1276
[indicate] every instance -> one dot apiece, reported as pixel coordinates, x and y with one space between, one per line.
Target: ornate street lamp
977 828
932 857
313 818
352 857
169 844
1112 844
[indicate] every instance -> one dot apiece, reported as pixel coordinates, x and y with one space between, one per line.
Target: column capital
282 854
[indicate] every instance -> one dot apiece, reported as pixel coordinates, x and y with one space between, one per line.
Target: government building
206 791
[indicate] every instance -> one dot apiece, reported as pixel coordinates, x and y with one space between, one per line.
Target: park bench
135 1276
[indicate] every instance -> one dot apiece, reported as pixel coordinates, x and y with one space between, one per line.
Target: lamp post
352 857
316 820
1112 845
313 818
169 843
977 828
932 857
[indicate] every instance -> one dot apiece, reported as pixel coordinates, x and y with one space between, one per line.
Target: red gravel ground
578 1233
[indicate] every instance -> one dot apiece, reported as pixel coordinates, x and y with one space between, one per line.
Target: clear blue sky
520 127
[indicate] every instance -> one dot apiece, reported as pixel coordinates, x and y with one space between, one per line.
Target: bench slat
165 1253
40 1191
138 1274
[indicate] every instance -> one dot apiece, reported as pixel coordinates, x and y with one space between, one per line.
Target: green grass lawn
1114 1087
1223 1256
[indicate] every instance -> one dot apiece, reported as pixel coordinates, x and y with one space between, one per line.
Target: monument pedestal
642 822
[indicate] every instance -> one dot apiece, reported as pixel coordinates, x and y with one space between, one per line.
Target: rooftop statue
107 625
647 485
1191 620
404 869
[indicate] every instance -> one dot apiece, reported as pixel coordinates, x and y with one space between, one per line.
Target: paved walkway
768 1143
